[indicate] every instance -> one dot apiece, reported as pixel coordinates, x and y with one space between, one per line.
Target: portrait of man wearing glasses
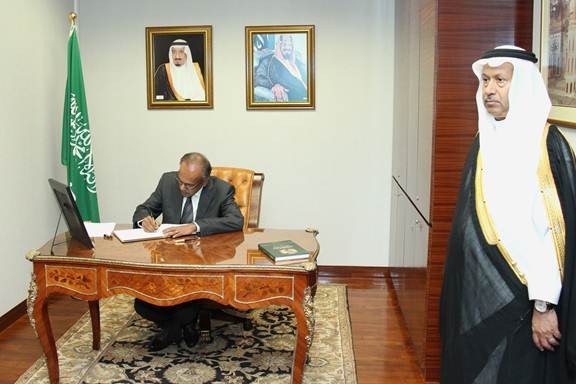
205 205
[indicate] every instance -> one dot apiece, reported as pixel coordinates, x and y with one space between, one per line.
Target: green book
284 250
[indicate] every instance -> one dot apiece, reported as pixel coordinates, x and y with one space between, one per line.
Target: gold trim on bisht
552 204
171 82
487 225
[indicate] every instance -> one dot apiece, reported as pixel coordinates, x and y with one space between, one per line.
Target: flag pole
76 151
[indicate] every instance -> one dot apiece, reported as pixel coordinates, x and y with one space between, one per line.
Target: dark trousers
172 317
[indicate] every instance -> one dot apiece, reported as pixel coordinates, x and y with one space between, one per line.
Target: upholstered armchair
248 185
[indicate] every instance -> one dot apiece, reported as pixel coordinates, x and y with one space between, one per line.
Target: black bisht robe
162 85
271 71
485 313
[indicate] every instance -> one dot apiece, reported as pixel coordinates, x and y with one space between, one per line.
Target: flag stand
55 234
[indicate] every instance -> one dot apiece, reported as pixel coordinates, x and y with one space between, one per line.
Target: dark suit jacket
217 209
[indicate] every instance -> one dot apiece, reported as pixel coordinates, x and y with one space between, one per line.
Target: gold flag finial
72 18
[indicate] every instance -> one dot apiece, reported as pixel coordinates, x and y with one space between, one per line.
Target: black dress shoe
163 339
191 335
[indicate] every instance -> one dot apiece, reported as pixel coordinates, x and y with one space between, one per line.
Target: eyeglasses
186 185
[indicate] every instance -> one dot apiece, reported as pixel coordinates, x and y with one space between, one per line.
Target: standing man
282 72
181 78
508 304
206 206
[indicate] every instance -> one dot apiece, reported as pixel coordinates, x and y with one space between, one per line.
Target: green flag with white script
76 137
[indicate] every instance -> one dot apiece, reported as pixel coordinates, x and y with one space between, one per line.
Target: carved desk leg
300 350
309 293
95 317
304 328
38 311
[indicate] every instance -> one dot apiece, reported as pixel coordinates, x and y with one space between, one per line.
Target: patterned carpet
261 355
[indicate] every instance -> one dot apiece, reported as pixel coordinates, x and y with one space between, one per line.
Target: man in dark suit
205 205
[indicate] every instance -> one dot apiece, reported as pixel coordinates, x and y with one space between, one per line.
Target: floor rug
261 355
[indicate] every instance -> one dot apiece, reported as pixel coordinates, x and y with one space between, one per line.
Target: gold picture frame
280 67
555 57
179 67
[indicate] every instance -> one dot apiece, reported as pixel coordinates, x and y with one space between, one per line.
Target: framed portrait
280 67
558 59
179 67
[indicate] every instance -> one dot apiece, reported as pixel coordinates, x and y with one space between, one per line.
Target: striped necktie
187 212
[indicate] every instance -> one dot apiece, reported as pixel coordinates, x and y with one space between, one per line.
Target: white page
128 235
99 229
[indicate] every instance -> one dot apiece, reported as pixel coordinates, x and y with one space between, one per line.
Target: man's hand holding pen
149 224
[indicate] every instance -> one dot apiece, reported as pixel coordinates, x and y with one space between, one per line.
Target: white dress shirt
195 201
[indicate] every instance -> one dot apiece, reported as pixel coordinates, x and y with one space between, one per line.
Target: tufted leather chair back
248 185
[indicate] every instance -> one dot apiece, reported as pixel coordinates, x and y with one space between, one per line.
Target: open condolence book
284 250
138 234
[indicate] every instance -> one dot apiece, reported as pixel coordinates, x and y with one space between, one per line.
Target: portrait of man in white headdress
180 79
280 71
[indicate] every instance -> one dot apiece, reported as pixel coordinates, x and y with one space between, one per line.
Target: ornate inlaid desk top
239 249
227 268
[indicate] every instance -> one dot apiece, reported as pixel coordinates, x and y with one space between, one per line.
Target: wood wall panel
465 29
410 289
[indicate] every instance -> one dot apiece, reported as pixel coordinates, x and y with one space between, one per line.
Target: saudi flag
76 137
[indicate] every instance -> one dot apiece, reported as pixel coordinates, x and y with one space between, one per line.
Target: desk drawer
76 279
256 288
164 286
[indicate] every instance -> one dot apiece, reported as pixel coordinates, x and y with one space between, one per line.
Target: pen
156 226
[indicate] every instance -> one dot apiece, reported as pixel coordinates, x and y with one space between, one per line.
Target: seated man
206 205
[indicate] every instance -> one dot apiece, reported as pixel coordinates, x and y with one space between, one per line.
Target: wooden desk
226 268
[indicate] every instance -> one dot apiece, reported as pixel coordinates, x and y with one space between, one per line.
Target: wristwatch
542 306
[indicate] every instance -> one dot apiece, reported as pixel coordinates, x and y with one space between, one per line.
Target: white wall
329 168
34 37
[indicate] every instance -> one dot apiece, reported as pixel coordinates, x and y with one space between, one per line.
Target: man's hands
545 333
149 224
181 230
